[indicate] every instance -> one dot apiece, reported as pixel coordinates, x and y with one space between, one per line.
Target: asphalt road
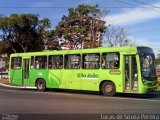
24 103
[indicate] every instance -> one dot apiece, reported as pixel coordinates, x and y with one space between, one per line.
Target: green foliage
23 32
4 47
158 59
79 23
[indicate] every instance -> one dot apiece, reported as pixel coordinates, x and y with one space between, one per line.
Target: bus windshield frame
147 63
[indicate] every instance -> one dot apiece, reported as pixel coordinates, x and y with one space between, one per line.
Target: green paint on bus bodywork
79 79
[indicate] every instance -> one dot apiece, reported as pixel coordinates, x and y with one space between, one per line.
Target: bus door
131 74
25 80
15 72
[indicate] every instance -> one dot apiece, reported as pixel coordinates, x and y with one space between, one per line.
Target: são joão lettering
89 75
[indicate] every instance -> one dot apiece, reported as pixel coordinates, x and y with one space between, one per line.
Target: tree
23 32
52 42
158 59
158 56
117 36
79 24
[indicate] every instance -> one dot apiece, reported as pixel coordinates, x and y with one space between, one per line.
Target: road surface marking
11 86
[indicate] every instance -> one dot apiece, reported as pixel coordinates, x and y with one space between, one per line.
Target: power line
136 5
126 3
35 7
146 4
124 7
59 7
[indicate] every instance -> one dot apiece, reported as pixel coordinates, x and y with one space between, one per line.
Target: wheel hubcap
109 88
40 85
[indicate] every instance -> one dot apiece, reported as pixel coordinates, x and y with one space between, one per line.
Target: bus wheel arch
40 84
107 88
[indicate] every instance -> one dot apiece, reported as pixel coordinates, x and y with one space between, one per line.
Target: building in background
81 33
80 40
94 37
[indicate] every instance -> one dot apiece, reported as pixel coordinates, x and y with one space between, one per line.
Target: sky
141 18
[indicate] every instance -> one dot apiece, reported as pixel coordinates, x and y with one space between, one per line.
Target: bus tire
41 85
108 89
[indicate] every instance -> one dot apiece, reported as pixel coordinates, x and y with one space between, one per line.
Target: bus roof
93 50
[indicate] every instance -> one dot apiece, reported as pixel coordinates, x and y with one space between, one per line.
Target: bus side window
41 62
37 64
104 63
55 62
72 61
16 62
91 61
32 62
110 60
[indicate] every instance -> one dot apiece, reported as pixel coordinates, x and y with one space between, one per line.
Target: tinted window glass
55 62
110 61
32 62
91 61
72 61
41 62
16 62
147 61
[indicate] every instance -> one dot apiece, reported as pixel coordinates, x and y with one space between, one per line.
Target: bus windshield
147 62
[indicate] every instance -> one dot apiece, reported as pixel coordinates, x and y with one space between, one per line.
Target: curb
21 87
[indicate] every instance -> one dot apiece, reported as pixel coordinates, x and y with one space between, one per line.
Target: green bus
108 70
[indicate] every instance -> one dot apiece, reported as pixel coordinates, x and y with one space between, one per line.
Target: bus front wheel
41 85
108 89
